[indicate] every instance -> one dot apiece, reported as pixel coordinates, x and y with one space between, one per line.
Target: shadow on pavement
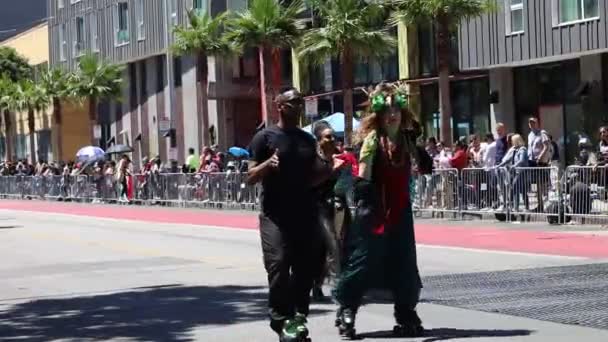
153 314
10 227
444 334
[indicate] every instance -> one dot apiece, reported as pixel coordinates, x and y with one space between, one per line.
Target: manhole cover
575 295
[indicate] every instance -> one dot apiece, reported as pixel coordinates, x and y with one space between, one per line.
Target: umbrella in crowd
336 122
238 152
89 152
119 149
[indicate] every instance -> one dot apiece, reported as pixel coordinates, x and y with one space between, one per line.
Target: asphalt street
75 278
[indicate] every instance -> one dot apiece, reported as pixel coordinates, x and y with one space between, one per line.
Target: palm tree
204 37
96 80
269 26
31 98
445 15
57 87
349 30
7 103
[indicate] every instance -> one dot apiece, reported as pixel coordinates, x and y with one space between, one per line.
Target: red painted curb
535 242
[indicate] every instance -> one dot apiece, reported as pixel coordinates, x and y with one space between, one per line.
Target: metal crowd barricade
585 197
484 192
522 194
535 194
437 193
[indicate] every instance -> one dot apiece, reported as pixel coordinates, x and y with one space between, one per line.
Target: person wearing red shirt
348 156
460 159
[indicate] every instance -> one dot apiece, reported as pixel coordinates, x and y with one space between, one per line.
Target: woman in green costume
380 248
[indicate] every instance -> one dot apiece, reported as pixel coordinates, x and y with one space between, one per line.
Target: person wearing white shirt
489 152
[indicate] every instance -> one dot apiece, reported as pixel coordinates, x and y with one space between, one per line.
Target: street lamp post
170 72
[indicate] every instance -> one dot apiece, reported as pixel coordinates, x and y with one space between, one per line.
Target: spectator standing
193 161
540 152
603 146
488 163
431 147
489 153
520 183
475 152
459 160
555 148
122 177
502 145
540 149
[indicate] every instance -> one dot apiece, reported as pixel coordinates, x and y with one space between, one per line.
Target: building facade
413 62
545 58
32 44
160 108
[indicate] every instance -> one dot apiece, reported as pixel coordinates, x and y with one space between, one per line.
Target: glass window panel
569 10
517 20
427 55
590 8
517 2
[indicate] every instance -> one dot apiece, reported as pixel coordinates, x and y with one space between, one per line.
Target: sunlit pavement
150 274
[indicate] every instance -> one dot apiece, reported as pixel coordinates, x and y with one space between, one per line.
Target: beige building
33 44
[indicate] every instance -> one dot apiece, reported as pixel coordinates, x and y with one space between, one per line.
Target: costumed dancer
380 248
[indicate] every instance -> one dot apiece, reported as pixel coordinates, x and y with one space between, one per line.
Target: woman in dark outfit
380 248
327 201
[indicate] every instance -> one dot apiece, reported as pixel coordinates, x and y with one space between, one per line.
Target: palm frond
98 79
267 23
205 35
356 25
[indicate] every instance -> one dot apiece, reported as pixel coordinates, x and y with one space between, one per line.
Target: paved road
74 278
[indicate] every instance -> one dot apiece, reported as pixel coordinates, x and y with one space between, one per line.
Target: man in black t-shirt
284 160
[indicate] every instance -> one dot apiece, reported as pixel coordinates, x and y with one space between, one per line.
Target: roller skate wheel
408 331
348 334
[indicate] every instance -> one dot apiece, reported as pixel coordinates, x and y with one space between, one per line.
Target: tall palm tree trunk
348 83
443 63
203 69
263 95
8 127
93 119
275 85
32 128
57 115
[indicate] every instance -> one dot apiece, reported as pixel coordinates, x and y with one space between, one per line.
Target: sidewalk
523 238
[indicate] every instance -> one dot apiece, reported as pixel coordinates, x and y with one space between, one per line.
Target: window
121 23
174 20
94 33
141 28
75 1
200 6
78 47
515 22
63 44
237 5
60 4
574 10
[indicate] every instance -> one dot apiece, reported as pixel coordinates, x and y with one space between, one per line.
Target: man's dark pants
292 258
